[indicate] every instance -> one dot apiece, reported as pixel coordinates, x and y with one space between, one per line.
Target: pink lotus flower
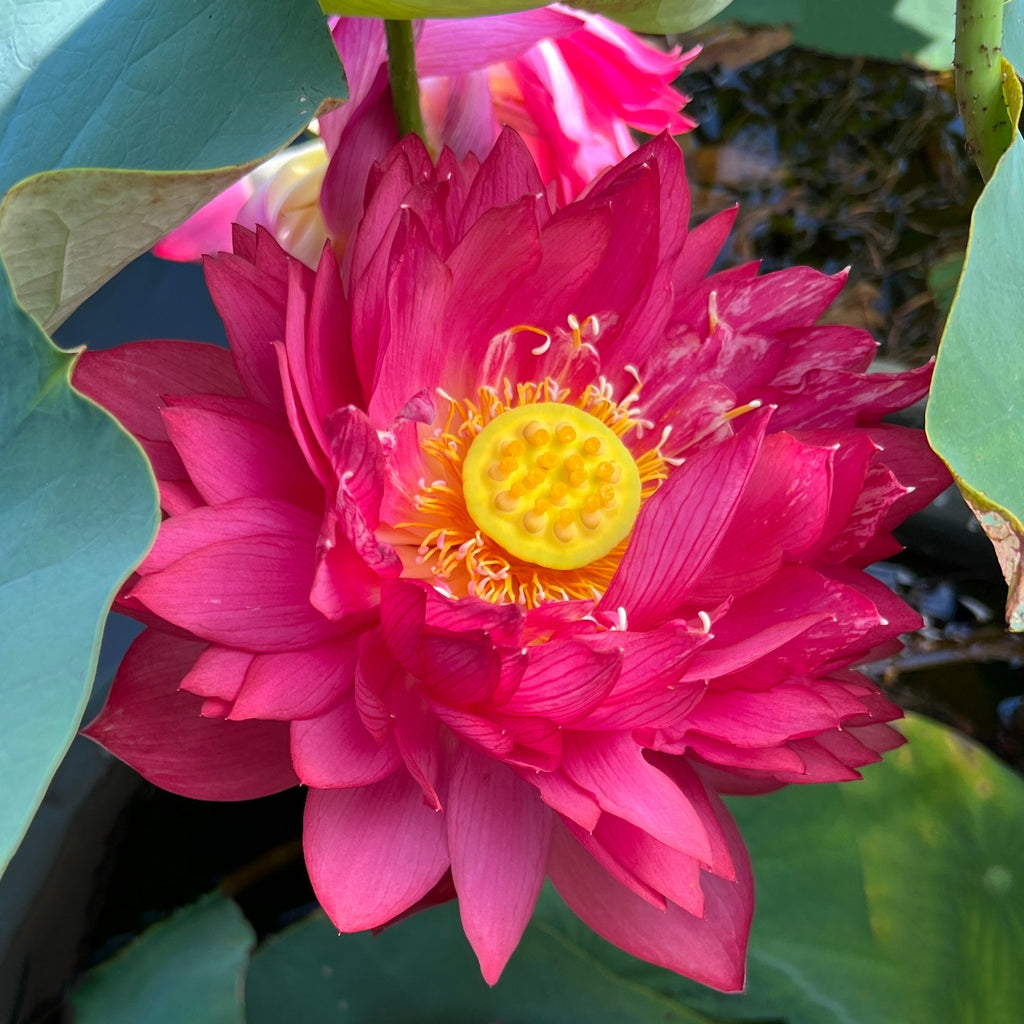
518 540
572 84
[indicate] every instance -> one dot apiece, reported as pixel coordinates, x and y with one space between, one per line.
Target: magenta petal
710 949
417 736
461 668
469 122
763 719
787 502
414 349
357 459
615 868
253 319
190 531
218 673
296 684
358 464
571 801
208 229
565 681
367 136
131 380
506 176
249 592
230 455
331 363
451 46
693 508
733 649
668 872
372 852
344 585
613 768
157 729
498 834
335 751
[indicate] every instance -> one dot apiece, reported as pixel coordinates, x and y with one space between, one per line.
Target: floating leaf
642 15
422 971
899 898
186 969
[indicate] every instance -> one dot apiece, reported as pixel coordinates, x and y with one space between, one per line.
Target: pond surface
837 163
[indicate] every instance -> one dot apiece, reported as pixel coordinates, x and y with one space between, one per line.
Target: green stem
405 86
978 72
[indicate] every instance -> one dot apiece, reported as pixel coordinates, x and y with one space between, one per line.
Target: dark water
837 163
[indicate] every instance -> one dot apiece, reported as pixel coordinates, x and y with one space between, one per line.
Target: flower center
529 493
551 484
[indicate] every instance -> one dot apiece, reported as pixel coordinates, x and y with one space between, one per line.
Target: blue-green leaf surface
188 969
975 417
920 30
77 511
122 84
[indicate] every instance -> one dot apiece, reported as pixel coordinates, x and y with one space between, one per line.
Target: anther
741 409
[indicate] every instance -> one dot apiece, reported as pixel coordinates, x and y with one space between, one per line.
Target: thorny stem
978 73
405 86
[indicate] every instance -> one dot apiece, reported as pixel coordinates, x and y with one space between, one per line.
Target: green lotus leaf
974 419
185 970
642 15
920 30
77 511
